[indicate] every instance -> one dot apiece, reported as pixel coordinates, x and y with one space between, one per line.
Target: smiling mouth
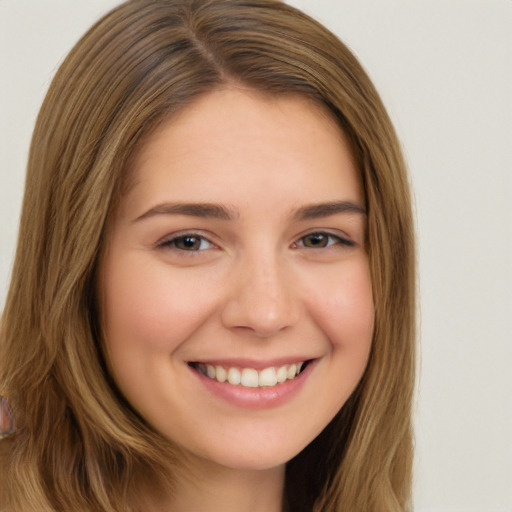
250 377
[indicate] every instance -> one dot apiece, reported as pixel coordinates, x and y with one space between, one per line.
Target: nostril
262 319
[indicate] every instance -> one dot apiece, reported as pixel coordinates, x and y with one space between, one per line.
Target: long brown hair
80 446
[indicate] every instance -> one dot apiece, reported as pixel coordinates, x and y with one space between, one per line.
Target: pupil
316 240
189 242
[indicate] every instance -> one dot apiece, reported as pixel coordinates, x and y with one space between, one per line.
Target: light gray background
444 69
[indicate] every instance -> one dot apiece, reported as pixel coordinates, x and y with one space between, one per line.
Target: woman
212 303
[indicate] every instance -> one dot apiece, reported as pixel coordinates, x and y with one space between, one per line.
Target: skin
257 287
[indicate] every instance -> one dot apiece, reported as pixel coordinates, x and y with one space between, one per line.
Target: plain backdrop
444 70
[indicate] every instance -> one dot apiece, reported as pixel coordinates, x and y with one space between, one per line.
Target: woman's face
235 291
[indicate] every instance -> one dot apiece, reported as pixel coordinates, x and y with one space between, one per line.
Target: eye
322 240
188 242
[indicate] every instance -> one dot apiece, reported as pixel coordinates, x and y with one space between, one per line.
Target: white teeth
282 374
268 377
249 377
292 371
234 376
221 374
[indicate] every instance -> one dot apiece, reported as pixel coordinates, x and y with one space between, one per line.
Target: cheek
148 308
344 308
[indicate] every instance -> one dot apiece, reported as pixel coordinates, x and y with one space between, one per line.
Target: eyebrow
203 210
317 211
217 211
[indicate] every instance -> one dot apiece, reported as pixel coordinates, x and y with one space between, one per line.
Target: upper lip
253 363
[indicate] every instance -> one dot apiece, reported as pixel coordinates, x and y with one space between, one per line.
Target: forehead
242 137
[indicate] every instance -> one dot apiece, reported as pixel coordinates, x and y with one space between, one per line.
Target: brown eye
187 242
316 240
323 240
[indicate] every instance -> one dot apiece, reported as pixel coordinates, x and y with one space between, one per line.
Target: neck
216 488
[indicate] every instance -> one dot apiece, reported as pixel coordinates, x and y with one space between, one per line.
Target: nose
262 298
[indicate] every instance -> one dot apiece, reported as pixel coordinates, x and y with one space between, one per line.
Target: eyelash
331 240
172 243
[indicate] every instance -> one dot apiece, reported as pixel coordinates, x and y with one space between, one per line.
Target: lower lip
256 398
